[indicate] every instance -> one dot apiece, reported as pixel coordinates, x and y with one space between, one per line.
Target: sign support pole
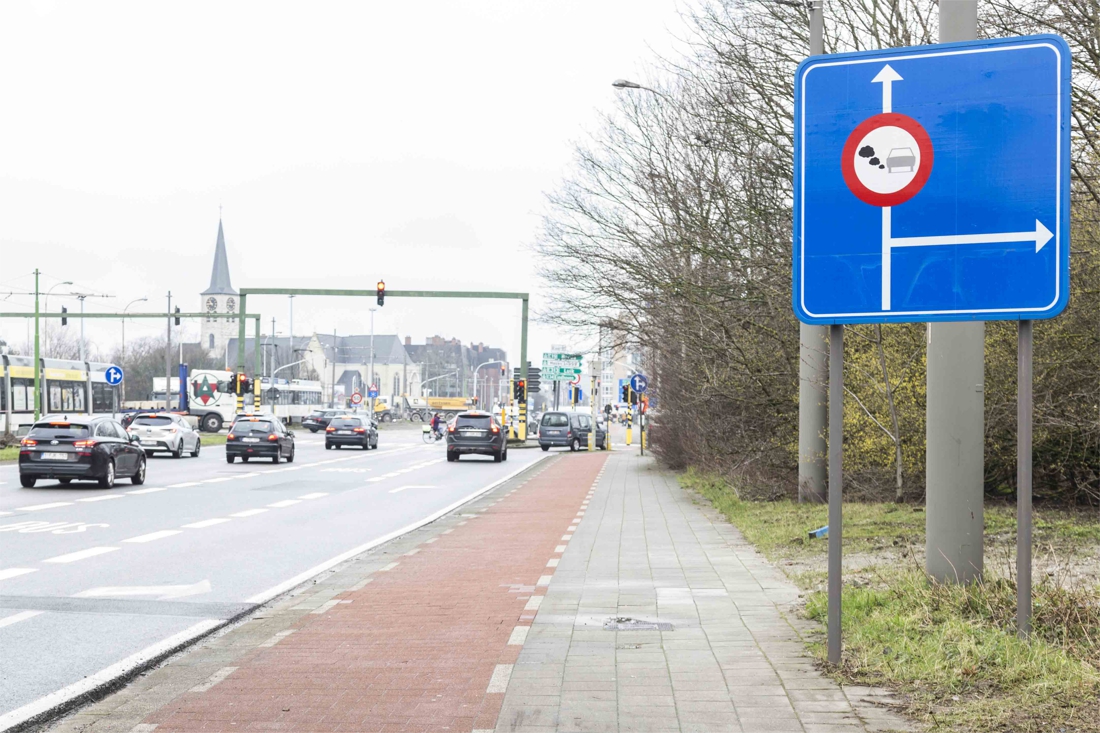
1023 480
836 454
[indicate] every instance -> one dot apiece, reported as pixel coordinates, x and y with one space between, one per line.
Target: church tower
220 297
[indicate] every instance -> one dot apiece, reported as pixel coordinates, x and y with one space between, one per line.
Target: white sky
346 141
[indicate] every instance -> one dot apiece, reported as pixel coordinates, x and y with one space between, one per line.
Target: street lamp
626 84
46 340
138 300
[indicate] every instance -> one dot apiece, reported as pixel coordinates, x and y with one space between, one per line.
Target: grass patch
950 650
9 454
212 439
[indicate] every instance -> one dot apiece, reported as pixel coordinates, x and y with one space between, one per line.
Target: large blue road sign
639 383
932 183
114 375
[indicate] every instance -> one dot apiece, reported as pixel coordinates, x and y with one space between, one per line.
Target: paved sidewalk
729 659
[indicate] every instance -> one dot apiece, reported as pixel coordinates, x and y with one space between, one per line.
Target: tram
72 387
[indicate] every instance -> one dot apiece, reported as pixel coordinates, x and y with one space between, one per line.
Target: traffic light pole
379 293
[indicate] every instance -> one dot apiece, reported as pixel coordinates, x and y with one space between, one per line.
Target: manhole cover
625 623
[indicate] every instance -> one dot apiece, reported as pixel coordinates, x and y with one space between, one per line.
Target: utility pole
167 359
370 378
291 299
955 411
332 403
37 355
81 298
812 412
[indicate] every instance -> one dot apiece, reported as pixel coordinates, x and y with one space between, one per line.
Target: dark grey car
478 433
569 430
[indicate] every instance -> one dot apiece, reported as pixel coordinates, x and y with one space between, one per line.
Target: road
89 577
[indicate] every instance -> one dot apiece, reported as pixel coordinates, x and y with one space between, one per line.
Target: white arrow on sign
163 592
887 77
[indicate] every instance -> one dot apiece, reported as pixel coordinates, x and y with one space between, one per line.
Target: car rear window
555 420
153 421
473 421
43 432
349 422
248 426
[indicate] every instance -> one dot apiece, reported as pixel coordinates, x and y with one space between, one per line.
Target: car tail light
495 429
330 429
273 437
231 436
450 428
28 442
360 430
84 444
171 430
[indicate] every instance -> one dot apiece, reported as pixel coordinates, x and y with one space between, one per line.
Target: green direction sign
559 375
557 367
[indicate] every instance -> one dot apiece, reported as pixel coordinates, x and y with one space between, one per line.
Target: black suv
96 449
319 419
351 430
570 429
476 432
259 437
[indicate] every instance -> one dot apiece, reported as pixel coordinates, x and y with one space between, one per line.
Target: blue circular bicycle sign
114 375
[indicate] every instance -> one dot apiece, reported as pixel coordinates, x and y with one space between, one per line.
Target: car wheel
337 446
27 482
498 456
65 481
545 448
374 445
290 458
416 417
328 446
108 480
198 446
504 455
313 430
178 452
244 459
277 457
575 445
139 476
230 459
148 454
212 423
387 418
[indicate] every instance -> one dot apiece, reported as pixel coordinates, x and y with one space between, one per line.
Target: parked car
351 430
319 419
259 437
165 432
478 433
570 429
85 449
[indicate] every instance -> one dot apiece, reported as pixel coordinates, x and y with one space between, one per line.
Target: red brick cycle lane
425 646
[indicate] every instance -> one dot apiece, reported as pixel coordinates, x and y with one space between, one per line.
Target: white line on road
214 679
566 537
248 513
499 681
17 617
389 567
315 495
402 488
146 491
285 503
519 635
544 580
325 607
184 485
218 480
36 507
81 555
206 523
533 603
15 572
552 562
277 638
106 497
154 536
559 548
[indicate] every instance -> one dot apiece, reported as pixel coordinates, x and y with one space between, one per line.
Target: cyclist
437 425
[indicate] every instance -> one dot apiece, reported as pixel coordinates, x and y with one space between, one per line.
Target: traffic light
625 396
503 371
64 320
519 390
245 384
381 292
233 384
177 319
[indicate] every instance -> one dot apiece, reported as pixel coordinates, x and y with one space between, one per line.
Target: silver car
161 432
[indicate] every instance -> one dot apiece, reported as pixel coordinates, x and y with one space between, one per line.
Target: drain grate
625 623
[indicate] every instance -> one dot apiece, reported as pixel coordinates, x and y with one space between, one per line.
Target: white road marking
413 486
285 503
214 679
163 592
499 681
566 537
17 617
559 548
572 528
146 491
544 580
412 552
325 607
277 638
206 523
217 480
447 531
315 495
361 584
81 555
184 485
519 635
533 603
376 479
37 507
154 536
144 728
15 572
433 539
248 513
4 514
389 567
552 562
106 497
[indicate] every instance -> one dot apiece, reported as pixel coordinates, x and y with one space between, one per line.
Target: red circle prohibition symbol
848 159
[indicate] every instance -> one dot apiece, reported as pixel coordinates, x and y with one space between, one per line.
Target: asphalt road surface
93 580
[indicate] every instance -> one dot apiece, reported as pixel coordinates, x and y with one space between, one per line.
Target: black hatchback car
351 430
478 433
569 429
259 437
85 449
319 419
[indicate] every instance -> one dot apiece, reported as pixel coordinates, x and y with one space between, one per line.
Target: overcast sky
345 141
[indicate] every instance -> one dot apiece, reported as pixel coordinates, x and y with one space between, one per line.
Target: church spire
219 276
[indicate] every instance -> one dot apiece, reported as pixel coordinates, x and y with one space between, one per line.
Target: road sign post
931 184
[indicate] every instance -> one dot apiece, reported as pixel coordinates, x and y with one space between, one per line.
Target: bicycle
431 436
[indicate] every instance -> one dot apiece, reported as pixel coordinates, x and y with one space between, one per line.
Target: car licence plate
252 440
148 442
474 433
55 456
344 432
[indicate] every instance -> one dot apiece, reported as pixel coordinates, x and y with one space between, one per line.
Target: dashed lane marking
433 539
325 607
206 523
37 507
154 536
146 491
106 497
184 485
361 584
572 528
559 548
533 603
218 480
552 562
519 635
17 617
81 554
285 503
315 495
566 537
499 681
277 638
544 580
412 486
15 572
389 567
412 552
214 679
248 513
